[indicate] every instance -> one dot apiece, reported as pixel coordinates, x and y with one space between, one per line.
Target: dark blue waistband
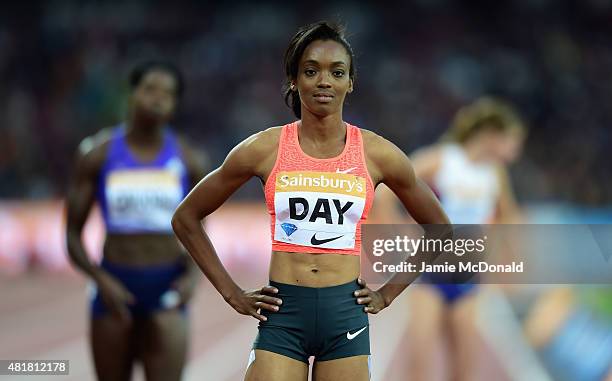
157 269
345 289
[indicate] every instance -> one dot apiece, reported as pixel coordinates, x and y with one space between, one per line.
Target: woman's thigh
270 366
355 368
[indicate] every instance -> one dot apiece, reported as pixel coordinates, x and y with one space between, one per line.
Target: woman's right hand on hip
252 302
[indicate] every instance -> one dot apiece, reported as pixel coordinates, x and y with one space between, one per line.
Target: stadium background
63 71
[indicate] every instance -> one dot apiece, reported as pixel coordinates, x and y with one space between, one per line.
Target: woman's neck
326 129
475 151
142 132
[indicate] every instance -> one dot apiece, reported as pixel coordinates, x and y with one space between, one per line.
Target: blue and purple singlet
141 197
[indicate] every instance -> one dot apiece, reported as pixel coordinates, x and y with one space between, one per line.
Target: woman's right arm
426 163
250 158
79 201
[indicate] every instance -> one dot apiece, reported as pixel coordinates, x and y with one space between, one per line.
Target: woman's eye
309 72
338 73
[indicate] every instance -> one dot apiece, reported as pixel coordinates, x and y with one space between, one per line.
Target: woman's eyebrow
315 62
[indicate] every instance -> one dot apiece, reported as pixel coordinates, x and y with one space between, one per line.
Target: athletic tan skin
323 66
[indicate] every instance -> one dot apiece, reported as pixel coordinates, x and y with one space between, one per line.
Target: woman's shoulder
270 135
376 147
371 139
92 151
195 158
94 147
257 147
263 141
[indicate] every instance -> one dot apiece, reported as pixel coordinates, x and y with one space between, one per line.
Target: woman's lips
323 98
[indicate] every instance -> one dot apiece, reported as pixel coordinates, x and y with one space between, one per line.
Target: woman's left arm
387 164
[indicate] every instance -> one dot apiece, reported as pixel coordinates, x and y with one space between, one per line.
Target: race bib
318 209
143 199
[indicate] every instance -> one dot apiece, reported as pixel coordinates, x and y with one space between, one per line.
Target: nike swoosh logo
351 336
315 241
345 171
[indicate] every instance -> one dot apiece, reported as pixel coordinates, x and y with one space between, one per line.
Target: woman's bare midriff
313 270
141 249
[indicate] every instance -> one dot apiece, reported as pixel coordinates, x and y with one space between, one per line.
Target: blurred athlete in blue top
138 172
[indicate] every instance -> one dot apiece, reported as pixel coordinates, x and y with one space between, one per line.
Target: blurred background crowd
64 66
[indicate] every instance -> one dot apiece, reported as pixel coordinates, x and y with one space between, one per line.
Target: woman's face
323 77
155 96
506 146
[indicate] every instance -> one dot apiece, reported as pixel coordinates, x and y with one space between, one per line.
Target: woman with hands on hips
318 175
